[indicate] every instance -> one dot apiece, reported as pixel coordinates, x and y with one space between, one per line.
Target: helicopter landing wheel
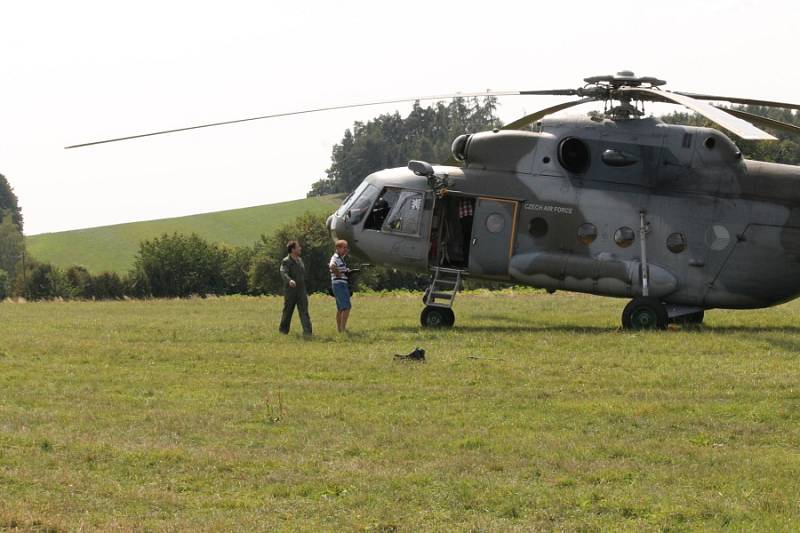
437 317
692 319
645 312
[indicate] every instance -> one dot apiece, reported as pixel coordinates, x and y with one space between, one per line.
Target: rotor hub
624 78
609 88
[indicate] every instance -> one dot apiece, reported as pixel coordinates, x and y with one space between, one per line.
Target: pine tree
9 202
12 245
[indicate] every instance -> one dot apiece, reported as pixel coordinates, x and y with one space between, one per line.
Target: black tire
693 319
645 312
451 318
437 317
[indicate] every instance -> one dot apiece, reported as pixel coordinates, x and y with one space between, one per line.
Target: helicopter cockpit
387 219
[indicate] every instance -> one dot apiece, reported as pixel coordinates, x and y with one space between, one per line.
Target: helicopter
617 204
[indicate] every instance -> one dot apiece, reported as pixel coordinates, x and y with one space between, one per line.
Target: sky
79 71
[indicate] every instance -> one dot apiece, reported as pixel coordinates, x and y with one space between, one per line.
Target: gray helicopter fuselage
720 231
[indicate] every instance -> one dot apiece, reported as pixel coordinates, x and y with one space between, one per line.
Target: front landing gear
645 312
437 317
439 296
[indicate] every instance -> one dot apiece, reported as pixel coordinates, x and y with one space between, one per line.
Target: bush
106 286
310 231
79 281
45 282
179 265
389 279
136 285
236 269
4 285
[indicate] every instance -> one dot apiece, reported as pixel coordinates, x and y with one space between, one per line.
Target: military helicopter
619 204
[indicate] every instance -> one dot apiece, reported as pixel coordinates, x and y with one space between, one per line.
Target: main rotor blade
739 127
301 112
554 92
763 121
734 100
534 117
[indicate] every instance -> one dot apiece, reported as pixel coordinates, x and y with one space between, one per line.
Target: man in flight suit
293 273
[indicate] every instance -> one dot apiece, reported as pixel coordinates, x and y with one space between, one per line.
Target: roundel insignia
717 238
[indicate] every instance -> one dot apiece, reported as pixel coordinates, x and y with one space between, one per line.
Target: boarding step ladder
445 284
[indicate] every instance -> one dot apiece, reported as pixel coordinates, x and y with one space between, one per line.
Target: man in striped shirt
339 284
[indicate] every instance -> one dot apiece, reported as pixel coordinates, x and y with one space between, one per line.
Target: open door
492 237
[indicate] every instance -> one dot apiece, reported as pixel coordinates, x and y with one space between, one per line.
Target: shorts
341 291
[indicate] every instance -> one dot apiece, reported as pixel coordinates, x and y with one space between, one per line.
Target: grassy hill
114 247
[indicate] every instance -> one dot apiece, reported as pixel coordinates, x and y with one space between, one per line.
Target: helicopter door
492 234
404 232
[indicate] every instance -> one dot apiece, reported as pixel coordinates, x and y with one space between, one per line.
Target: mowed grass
114 248
534 413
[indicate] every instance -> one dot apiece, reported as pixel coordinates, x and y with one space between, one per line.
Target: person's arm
335 269
285 274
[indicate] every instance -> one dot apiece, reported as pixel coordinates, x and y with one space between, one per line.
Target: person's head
341 247
293 248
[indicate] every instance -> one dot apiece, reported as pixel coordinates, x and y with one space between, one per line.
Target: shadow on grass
510 328
792 330
766 333
522 327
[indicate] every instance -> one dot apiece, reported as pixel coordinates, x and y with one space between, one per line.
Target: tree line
390 140
181 265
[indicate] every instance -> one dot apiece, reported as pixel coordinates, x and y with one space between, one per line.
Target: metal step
442 296
444 286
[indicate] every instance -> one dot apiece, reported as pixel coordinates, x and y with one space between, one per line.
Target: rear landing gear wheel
437 317
645 312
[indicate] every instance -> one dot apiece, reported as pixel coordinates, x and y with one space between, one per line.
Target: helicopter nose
337 227
329 225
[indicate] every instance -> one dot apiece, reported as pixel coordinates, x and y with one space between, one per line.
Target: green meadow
113 248
534 413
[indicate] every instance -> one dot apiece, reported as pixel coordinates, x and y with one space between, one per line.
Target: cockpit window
406 216
362 205
351 198
382 207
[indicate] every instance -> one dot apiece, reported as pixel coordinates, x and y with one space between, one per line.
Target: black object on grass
417 355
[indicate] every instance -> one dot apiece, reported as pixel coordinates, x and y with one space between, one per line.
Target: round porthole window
624 237
587 233
676 243
495 223
538 227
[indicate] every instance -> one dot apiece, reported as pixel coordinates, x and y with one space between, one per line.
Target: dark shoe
283 332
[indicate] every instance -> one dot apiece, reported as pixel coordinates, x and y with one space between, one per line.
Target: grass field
534 413
113 247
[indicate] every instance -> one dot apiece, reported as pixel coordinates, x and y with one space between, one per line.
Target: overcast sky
78 71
